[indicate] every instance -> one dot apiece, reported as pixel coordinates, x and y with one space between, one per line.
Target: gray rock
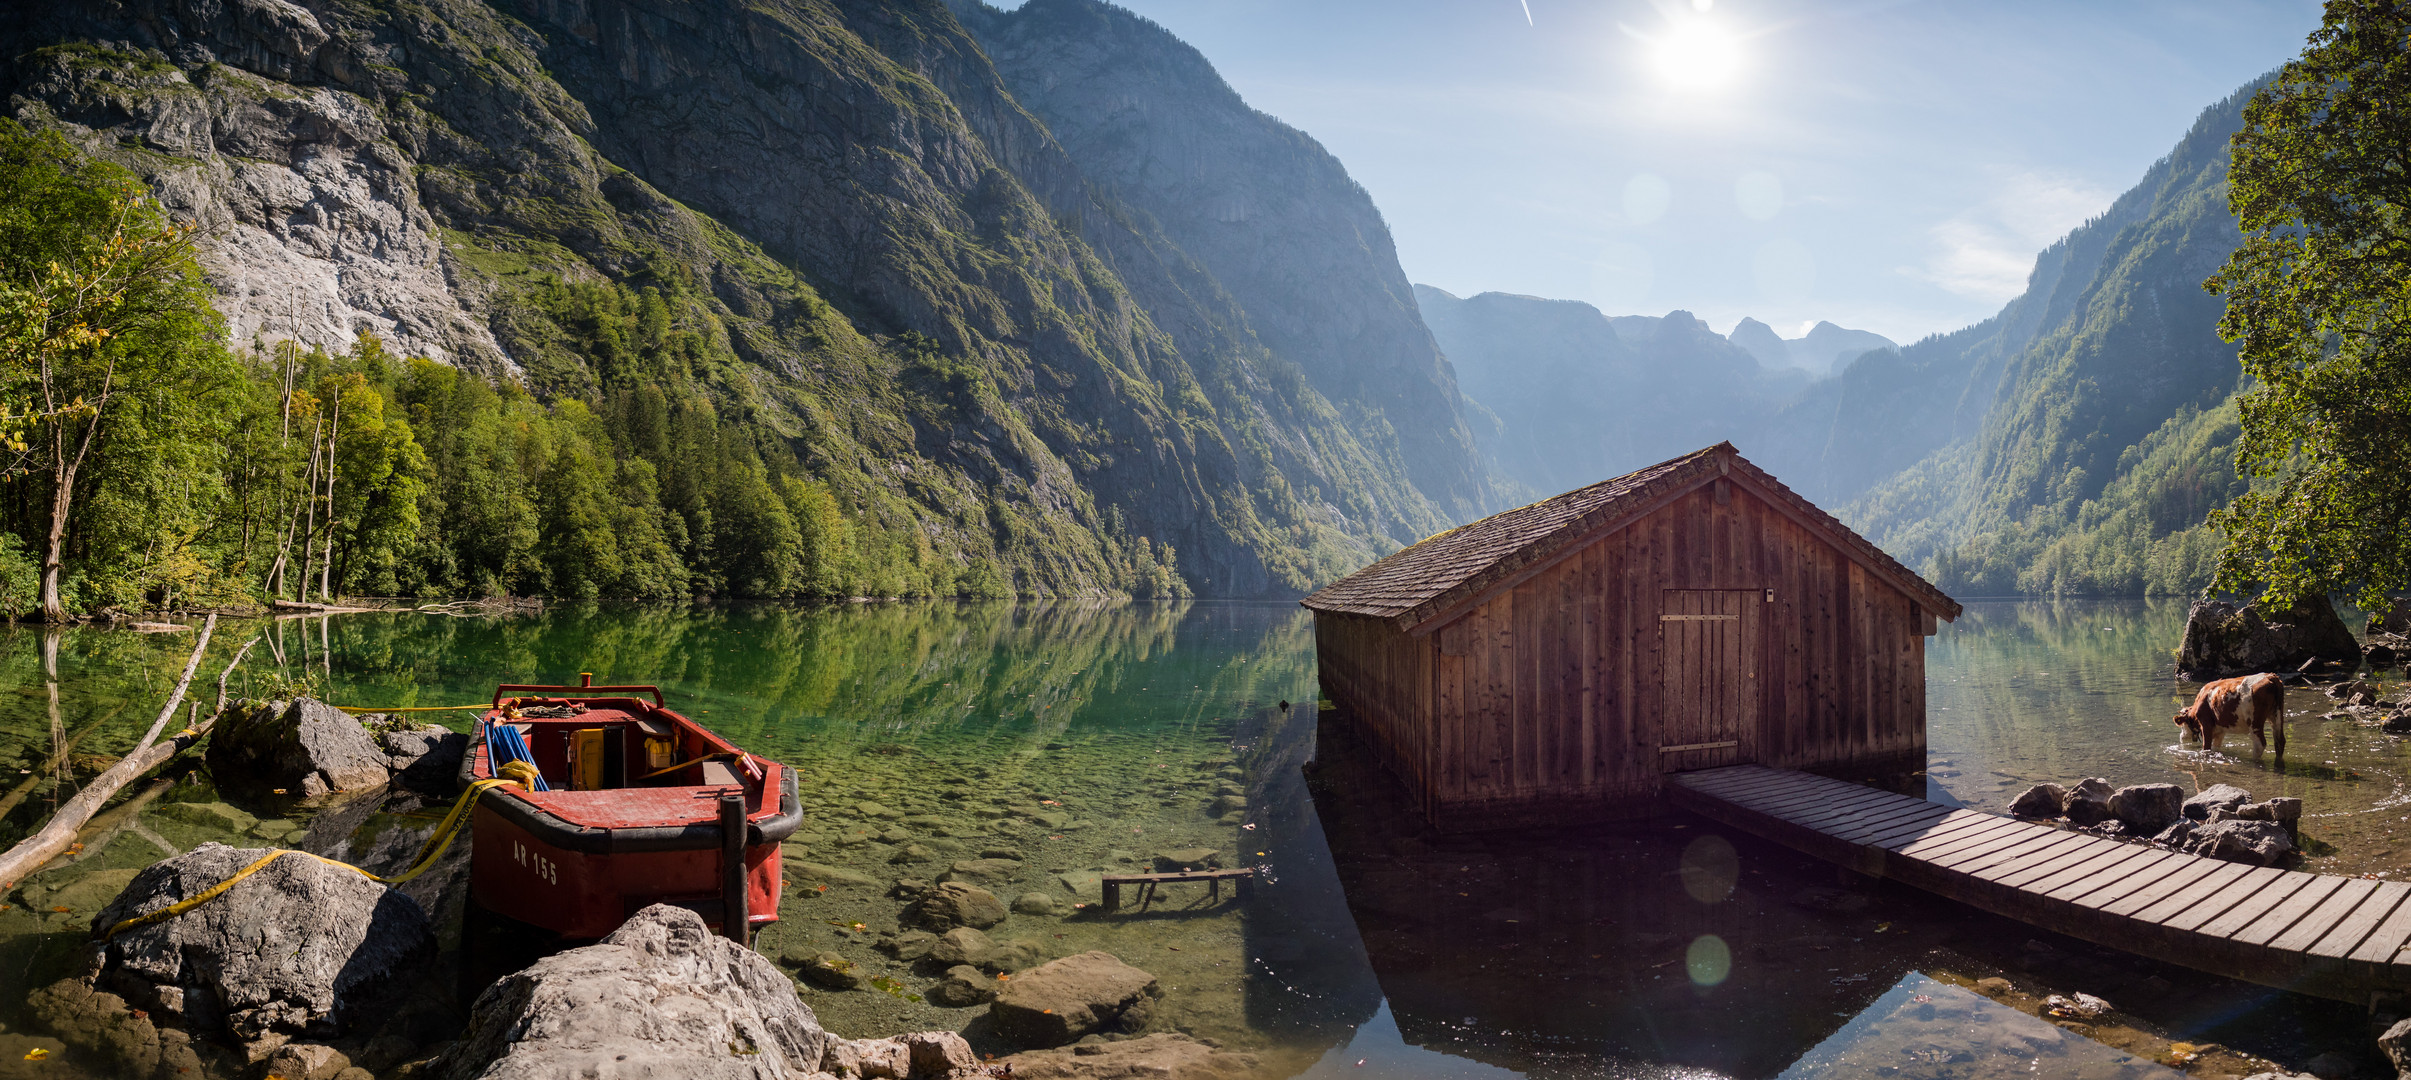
307 1061
2284 811
2148 808
1063 1000
952 904
2089 801
425 759
1037 903
305 747
2396 1042
2354 692
926 1055
2176 835
963 987
913 853
2223 640
2332 1065
298 947
2215 797
661 996
2040 801
2260 843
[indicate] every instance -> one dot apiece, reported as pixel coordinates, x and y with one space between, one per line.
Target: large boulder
305 747
298 947
2148 808
1063 1000
661 996
2223 640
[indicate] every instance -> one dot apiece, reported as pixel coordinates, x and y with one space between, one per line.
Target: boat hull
580 894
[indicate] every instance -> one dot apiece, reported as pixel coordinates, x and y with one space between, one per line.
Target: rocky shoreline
307 970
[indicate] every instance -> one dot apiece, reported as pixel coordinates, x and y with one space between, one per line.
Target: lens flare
1708 960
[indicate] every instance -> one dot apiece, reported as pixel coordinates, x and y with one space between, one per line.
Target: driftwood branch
229 673
34 851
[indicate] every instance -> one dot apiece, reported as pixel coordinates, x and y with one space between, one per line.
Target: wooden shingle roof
1414 584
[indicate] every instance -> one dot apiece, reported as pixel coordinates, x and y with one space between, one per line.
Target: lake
1070 739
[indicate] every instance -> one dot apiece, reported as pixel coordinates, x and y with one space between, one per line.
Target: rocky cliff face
1259 205
827 177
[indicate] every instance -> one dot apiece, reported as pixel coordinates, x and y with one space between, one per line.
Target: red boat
628 804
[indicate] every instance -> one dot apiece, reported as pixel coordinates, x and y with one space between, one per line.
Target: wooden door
1708 678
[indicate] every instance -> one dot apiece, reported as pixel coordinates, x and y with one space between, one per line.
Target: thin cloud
1987 251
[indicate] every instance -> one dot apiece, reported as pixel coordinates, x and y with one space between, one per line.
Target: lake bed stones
963 987
1176 860
2216 797
1037 903
951 904
1064 1000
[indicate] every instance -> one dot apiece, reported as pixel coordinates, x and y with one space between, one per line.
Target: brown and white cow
2228 704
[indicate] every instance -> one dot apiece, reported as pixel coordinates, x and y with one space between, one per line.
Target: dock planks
2332 937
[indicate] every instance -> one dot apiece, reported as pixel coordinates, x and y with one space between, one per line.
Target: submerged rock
661 996
2148 808
2282 810
1063 1000
297 947
305 747
1161 1055
2216 797
2223 640
2040 801
1179 859
964 987
954 904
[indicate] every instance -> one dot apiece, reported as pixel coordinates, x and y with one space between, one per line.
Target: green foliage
2319 298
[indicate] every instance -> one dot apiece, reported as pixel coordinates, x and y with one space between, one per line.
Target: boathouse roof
1446 571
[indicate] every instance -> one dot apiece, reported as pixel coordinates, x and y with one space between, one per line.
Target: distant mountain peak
1826 347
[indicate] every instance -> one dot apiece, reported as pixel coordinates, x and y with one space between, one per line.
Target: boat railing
585 688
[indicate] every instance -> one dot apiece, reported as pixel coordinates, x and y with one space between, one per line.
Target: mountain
2107 424
1577 396
1015 347
1824 348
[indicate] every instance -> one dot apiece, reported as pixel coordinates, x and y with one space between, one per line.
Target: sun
1696 54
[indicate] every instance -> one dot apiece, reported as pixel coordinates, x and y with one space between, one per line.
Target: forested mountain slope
828 234
2106 429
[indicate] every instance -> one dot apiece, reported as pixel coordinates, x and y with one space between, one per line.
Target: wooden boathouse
1553 663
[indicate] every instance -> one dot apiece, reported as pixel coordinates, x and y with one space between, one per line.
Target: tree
2319 301
100 298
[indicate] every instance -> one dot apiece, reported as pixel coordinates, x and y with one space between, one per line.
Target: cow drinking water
2227 704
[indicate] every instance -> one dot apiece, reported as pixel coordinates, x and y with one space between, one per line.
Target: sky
1889 166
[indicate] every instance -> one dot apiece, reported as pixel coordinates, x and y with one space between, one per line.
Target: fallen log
52 839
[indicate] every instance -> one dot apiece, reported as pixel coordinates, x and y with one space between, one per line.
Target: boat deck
2331 937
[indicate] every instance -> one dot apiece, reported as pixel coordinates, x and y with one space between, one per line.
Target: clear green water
1085 738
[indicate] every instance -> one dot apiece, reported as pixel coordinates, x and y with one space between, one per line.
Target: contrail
1527 12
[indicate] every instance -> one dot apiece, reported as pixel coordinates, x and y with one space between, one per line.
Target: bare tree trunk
54 838
62 492
326 566
309 534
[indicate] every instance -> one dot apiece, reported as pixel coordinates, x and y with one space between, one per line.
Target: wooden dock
2331 937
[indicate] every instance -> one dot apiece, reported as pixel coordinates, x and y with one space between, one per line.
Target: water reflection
1923 1027
1664 949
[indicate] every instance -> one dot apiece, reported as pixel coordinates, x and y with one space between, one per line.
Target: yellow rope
437 844
414 708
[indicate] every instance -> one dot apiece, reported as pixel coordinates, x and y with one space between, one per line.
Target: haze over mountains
1037 289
